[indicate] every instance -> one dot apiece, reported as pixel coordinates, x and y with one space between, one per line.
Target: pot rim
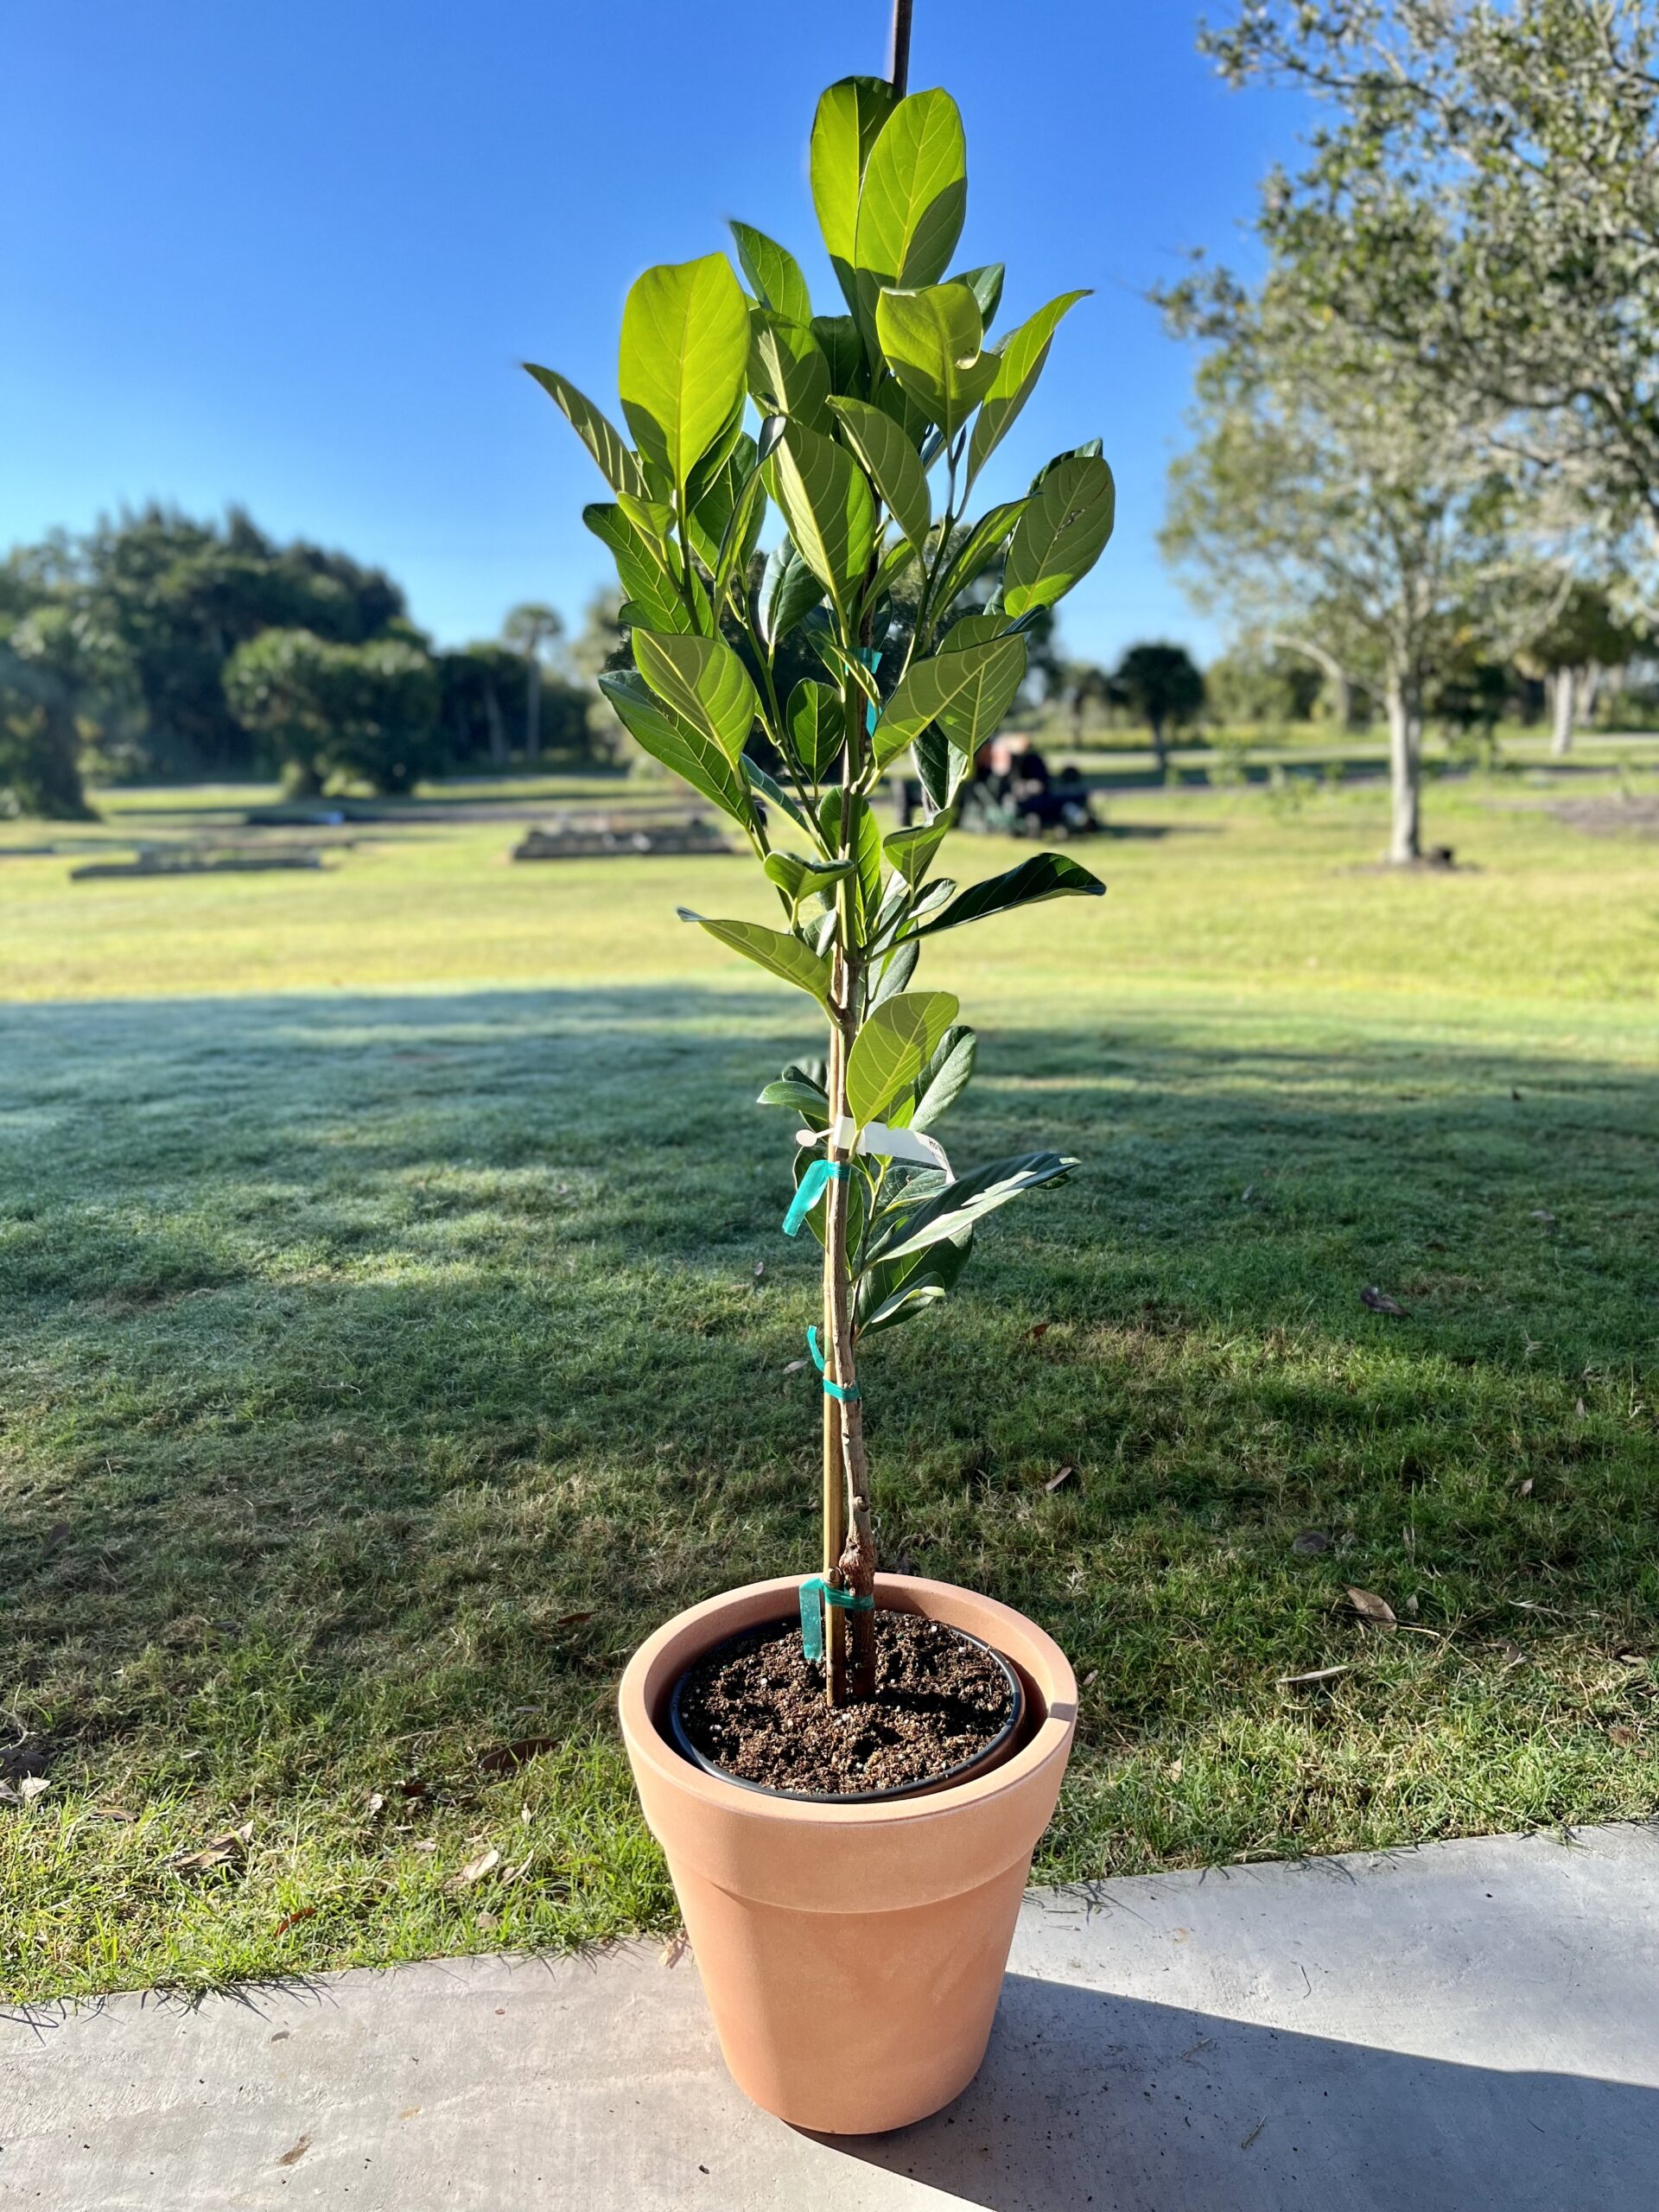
647 1683
976 1762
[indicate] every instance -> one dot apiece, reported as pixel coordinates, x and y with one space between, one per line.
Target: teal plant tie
871 660
845 1391
815 1594
810 1188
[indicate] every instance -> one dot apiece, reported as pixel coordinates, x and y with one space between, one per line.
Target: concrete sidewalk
1459 2029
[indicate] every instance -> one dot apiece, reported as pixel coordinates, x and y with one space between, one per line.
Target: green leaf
865 847
850 118
975 552
797 879
650 586
826 506
942 768
601 436
704 683
913 198
1061 534
897 970
892 1291
774 794
1019 363
955 685
895 1044
986 285
694 757
964 1203
911 851
975 713
773 950
685 361
945 1076
788 374
930 340
816 720
837 335
1044 876
796 1089
890 459
774 272
789 591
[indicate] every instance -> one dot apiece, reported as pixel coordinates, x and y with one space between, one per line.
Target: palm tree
529 629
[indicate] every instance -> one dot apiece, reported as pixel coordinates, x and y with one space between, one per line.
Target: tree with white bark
1332 497
1588 637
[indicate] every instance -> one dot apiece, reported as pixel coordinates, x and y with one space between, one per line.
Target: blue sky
287 252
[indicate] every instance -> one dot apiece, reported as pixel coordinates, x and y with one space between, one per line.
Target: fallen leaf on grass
292 2157
1524 1490
1380 1302
293 1919
1311 1540
1513 1655
377 1803
1312 1679
1091 1677
1580 1410
1038 1331
1371 1607
506 1757
1064 1476
759 1271
426 1843
573 1620
1620 1733
486 1921
218 1851
112 1813
475 1870
793 1366
1543 1214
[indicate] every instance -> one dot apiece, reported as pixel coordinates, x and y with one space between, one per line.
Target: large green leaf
895 1044
849 122
865 845
844 349
986 285
774 272
797 879
718 497
828 507
1061 535
930 340
975 714
788 591
914 198
685 359
773 950
964 1203
891 1291
774 794
816 720
788 373
975 553
911 851
1019 363
953 688
601 436
946 1076
688 752
890 460
1044 876
641 567
703 681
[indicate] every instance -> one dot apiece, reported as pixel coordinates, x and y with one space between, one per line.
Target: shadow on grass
384 1365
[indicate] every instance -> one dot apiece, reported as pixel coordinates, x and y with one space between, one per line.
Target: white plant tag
885 1143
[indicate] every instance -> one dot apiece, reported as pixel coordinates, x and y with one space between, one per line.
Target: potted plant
849 1863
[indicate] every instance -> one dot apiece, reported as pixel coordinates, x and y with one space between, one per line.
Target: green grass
385 1358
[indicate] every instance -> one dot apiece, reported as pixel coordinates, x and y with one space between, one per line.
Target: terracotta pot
852 1955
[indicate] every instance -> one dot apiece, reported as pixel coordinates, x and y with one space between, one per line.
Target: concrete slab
1459 2029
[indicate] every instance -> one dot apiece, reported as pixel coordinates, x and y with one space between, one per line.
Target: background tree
62 678
1586 637
366 714
531 629
1085 683
1480 204
1162 685
1257 686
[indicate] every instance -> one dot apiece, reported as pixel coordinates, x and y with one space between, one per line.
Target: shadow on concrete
1091 2099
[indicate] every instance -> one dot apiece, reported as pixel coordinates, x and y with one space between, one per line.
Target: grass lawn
385 1357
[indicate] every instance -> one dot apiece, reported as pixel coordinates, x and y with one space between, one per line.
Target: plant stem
899 65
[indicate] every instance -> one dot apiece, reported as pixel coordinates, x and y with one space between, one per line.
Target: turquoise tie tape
815 1594
844 1391
871 660
810 1188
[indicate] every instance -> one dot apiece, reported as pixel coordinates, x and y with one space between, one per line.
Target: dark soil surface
757 1709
